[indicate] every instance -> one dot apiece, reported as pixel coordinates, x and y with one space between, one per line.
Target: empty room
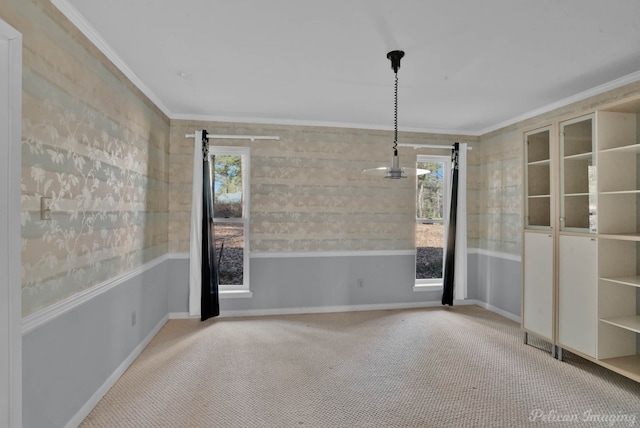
320 214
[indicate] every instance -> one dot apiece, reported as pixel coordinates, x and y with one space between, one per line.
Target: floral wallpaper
494 193
94 145
307 189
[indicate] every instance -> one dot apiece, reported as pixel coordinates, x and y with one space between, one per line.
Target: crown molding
96 38
313 123
600 89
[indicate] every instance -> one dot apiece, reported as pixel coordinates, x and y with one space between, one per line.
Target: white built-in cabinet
538 285
538 242
577 244
581 238
577 294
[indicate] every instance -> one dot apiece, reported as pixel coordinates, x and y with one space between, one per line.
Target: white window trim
428 287
238 291
435 284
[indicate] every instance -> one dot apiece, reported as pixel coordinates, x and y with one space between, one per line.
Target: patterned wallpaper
307 190
494 193
94 145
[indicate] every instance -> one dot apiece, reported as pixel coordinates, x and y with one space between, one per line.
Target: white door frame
10 173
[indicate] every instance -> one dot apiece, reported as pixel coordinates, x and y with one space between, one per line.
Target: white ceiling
470 66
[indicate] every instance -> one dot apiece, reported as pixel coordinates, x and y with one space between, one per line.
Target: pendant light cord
395 117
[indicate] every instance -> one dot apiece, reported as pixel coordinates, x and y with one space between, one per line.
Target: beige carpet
453 367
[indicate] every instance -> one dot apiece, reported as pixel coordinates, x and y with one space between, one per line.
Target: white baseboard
497 254
111 380
181 316
325 309
351 308
498 311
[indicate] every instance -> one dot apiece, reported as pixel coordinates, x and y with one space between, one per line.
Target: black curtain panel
209 304
450 257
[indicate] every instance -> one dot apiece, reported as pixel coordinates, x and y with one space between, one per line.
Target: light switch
45 208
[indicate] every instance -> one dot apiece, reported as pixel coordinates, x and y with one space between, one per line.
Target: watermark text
610 419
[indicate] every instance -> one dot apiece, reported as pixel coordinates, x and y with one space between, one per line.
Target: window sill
235 294
427 287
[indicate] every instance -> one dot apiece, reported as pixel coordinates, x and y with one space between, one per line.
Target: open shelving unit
619 241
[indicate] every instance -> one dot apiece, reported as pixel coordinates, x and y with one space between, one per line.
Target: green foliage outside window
228 186
429 194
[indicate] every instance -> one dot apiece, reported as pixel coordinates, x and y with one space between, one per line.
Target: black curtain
209 304
450 257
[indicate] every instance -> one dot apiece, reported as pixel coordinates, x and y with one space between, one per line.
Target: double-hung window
431 208
231 172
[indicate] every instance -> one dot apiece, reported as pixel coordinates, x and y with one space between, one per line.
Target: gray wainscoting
178 289
281 284
495 280
68 359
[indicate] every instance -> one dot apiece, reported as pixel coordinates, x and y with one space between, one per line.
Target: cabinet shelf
579 156
630 322
540 162
632 281
537 146
619 166
632 148
539 216
621 192
619 211
569 195
620 236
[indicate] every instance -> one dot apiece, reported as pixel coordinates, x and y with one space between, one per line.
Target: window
431 209
231 215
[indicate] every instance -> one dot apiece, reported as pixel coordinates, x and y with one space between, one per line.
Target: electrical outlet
360 282
133 319
45 208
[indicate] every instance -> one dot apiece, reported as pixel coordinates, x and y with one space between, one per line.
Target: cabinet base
553 350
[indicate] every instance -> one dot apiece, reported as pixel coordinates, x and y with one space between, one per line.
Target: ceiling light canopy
395 171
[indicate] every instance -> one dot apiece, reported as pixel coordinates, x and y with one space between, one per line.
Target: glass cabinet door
537 153
578 204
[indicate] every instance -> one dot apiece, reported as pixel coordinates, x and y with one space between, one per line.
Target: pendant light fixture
395 171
